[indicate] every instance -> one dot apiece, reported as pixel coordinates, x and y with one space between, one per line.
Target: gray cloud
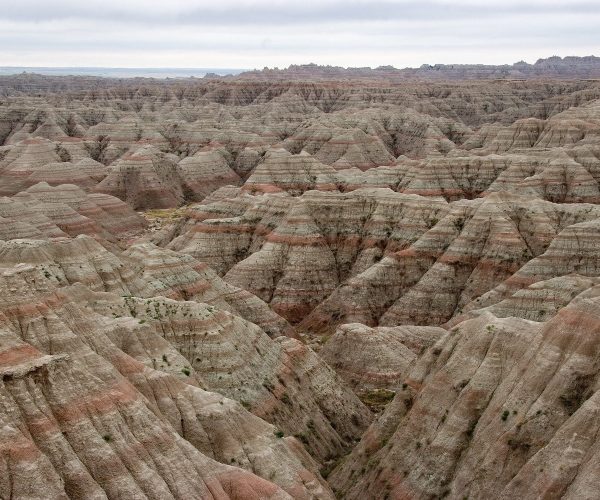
231 33
265 13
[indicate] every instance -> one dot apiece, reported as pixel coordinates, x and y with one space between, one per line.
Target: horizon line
247 69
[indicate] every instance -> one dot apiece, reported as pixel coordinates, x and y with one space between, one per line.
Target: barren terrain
310 283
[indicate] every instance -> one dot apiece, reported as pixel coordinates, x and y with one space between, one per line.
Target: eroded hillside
283 286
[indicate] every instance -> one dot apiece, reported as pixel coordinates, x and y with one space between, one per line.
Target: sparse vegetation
98 148
302 438
160 329
376 399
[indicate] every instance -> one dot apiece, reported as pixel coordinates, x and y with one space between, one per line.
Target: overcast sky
253 34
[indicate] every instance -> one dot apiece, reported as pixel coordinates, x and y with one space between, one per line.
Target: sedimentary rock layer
310 244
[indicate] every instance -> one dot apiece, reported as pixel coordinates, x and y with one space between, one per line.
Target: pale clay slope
436 240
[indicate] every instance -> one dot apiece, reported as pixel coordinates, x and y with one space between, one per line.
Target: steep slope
76 405
344 283
326 238
476 247
21 161
281 381
145 179
498 407
377 357
43 210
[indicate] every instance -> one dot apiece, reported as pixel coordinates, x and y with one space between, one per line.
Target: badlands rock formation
309 283
377 357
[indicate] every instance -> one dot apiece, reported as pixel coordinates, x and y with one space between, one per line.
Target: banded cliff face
66 210
82 305
79 399
381 357
498 407
474 248
59 322
301 251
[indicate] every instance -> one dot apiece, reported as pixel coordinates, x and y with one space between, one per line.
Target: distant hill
552 67
17 80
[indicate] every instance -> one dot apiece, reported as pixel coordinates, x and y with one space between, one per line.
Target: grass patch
377 399
165 213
